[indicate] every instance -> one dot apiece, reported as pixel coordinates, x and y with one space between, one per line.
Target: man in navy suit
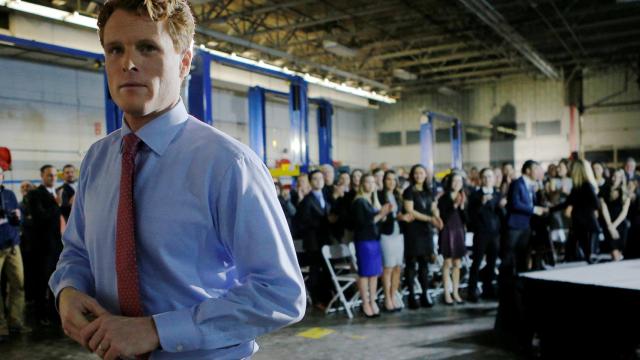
510 320
520 208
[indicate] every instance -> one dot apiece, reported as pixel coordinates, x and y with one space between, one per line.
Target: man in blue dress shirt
214 264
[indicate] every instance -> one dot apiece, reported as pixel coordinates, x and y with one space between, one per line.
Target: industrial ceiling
397 47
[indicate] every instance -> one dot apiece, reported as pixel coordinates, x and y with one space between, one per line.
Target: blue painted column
456 144
426 141
199 99
325 135
298 113
257 122
113 114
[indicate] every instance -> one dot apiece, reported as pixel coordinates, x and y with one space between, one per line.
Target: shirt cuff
72 282
177 331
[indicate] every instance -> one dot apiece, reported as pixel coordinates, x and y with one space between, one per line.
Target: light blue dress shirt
215 256
320 197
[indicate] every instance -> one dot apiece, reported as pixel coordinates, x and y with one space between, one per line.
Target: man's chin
135 110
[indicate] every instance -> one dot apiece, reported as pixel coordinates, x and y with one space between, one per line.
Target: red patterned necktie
126 266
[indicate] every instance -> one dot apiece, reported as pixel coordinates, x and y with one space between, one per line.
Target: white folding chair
342 279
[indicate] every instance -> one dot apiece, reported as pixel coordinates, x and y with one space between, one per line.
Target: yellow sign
285 170
316 333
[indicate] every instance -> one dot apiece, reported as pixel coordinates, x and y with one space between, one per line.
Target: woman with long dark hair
391 240
419 202
367 213
452 237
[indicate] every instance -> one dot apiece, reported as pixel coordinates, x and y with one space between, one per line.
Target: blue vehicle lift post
427 139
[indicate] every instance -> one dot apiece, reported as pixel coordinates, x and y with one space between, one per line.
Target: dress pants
483 245
320 285
410 273
11 259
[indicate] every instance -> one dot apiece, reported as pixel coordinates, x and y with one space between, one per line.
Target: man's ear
185 63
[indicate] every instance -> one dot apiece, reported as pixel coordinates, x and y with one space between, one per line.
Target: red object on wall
5 158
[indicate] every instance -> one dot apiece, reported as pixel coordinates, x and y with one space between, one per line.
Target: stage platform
585 311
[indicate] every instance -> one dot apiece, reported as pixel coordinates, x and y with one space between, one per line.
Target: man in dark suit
44 217
313 224
485 204
510 320
520 209
67 191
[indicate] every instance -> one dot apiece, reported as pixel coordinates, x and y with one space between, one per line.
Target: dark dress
418 246
418 234
615 207
584 225
451 241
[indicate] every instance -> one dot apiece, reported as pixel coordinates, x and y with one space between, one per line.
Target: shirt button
179 347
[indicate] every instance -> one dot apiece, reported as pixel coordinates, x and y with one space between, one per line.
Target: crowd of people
573 211
398 220
30 245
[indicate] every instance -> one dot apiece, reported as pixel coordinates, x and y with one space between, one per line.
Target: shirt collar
159 132
530 183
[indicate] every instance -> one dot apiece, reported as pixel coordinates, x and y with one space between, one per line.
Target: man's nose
129 62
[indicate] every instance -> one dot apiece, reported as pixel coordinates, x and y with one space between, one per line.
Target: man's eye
115 50
147 48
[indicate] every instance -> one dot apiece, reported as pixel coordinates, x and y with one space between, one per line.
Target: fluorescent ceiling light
50 13
309 78
403 74
339 49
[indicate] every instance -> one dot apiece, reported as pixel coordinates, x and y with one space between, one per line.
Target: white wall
534 100
612 127
405 116
48 114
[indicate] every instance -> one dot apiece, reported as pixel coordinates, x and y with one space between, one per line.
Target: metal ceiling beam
284 55
433 85
487 14
327 19
437 59
413 52
257 10
476 73
471 64
460 75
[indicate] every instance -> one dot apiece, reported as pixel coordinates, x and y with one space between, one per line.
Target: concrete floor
460 332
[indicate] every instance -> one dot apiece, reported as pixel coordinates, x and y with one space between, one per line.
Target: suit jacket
365 229
387 225
44 218
66 195
519 205
484 218
313 223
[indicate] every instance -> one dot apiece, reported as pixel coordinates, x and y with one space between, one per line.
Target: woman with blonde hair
367 213
582 206
615 207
